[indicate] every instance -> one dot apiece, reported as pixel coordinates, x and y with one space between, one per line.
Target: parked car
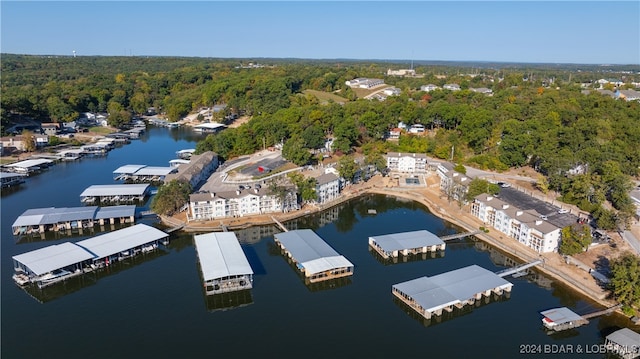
563 210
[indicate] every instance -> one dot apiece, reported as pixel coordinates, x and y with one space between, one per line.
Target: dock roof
29 163
10 175
115 190
116 211
442 290
310 251
560 315
47 259
625 337
52 215
220 255
154 171
407 240
121 240
128 169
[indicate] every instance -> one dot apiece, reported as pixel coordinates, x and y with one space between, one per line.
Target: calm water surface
155 307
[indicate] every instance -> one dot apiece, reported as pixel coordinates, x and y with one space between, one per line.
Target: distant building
394 134
50 128
199 168
392 91
365 83
428 88
407 162
401 72
451 87
327 187
483 90
416 128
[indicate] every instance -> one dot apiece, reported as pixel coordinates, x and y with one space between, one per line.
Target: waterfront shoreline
553 265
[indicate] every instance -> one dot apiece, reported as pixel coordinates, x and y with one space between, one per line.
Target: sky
584 32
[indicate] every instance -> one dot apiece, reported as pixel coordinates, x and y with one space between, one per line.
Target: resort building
327 187
39 220
429 296
527 227
114 193
454 184
210 205
392 245
401 72
197 170
407 162
223 264
312 256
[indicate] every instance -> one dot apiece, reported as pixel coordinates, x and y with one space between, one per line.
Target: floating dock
28 167
115 193
430 296
8 179
40 220
52 264
406 243
312 256
224 266
563 318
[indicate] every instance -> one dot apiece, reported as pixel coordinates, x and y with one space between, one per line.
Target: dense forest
585 146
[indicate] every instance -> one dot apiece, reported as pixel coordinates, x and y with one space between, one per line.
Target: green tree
460 168
377 160
313 137
575 239
306 186
171 197
625 279
294 151
28 141
479 186
347 167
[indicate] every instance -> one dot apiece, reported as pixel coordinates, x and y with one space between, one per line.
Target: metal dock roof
51 215
561 315
115 190
442 290
122 240
407 240
128 169
310 251
154 171
116 211
220 255
625 337
10 175
47 259
29 163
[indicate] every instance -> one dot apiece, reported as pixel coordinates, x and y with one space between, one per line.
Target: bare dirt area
239 121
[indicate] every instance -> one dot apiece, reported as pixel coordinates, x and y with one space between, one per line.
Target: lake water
155 306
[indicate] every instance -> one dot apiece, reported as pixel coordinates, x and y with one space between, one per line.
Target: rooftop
407 240
221 255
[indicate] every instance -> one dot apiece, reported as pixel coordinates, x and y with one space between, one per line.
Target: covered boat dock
9 179
115 193
29 166
429 296
224 266
312 256
392 245
39 220
123 243
50 264
624 342
142 173
562 318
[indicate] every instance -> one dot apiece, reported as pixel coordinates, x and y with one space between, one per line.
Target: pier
518 269
460 235
279 224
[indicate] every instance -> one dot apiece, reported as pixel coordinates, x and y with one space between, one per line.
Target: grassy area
361 93
101 130
325 96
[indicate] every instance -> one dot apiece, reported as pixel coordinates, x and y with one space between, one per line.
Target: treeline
586 146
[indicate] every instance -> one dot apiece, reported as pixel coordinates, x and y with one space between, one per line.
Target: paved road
632 240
